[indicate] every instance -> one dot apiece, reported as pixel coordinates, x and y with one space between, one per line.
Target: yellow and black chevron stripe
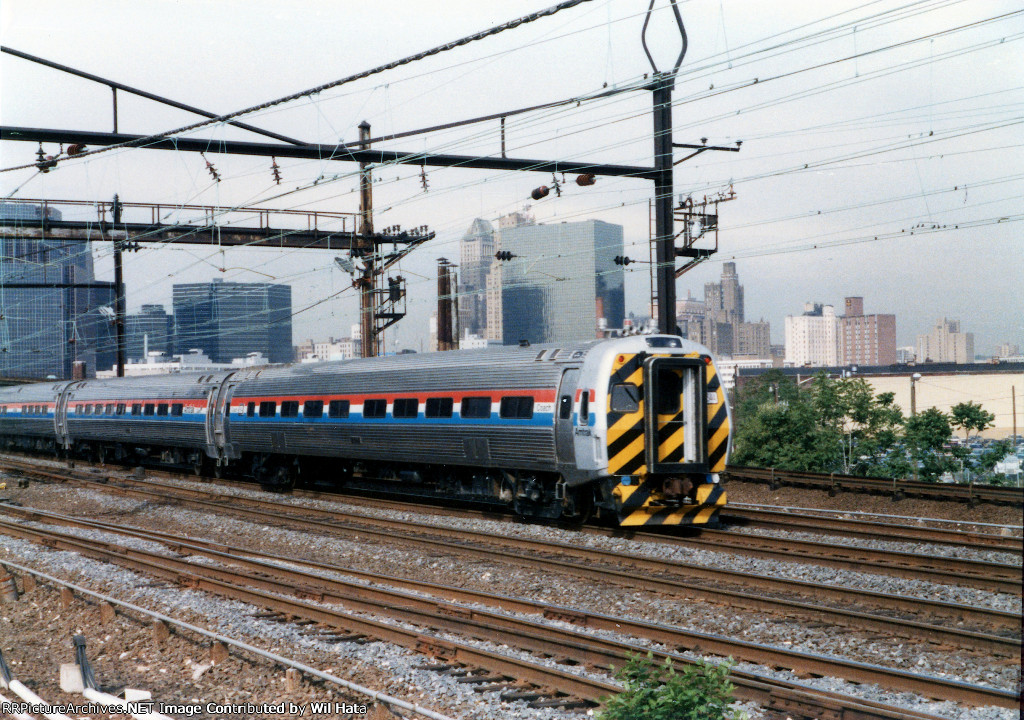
638 506
718 422
626 430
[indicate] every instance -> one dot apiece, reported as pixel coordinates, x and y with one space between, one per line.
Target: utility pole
447 330
367 283
913 412
118 290
664 236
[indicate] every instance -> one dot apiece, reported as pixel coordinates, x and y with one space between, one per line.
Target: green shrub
701 691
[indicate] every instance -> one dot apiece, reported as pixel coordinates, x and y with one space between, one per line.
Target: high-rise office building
813 338
866 339
47 324
945 343
476 253
723 328
229 320
562 283
146 331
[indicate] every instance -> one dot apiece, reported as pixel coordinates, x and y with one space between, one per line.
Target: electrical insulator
395 289
587 179
76 149
504 255
275 169
210 168
44 162
623 260
540 192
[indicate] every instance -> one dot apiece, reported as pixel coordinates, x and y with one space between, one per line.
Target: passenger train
635 429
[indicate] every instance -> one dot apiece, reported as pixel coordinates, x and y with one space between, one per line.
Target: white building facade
813 338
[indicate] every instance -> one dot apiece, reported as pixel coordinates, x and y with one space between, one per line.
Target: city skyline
880 173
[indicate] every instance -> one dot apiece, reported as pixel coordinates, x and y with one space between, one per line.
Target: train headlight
713 478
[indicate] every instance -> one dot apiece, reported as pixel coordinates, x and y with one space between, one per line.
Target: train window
476 407
375 408
405 408
290 408
565 407
121 408
176 409
338 409
250 410
136 408
438 408
585 408
268 408
148 409
670 387
161 409
88 409
625 398
313 409
517 407
110 408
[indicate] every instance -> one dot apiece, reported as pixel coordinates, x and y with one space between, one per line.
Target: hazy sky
852 149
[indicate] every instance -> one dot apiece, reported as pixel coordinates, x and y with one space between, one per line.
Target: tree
701 691
786 436
971 416
926 434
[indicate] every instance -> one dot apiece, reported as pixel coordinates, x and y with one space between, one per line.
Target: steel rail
788 520
268 511
1006 579
936 633
673 637
488 625
238 586
899 488
891 532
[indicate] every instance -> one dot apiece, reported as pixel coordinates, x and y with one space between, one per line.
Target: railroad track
983 575
604 566
263 573
827 522
835 483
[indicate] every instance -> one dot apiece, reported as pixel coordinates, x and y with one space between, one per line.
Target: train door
60 415
564 440
217 404
675 399
221 424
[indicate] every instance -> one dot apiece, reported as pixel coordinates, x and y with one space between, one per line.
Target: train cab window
517 407
338 409
110 408
375 408
268 408
405 408
585 408
670 387
313 409
625 398
136 408
161 409
476 407
149 409
250 410
565 407
176 409
120 408
290 408
438 408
